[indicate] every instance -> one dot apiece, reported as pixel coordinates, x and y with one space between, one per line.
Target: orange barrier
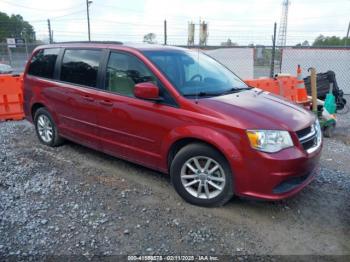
267 84
286 86
301 90
11 97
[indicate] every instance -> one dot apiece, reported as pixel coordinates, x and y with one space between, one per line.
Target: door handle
88 98
106 103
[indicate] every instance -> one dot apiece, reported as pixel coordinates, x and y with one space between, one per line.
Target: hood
257 109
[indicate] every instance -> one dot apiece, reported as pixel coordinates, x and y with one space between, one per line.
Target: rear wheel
46 129
202 176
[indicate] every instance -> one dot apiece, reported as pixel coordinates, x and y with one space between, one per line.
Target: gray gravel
72 200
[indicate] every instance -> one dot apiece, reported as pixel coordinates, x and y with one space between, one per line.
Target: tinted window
80 66
43 63
193 73
124 71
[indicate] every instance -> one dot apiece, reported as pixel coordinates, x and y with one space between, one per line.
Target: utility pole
273 51
282 32
199 32
165 33
25 44
347 35
88 2
49 27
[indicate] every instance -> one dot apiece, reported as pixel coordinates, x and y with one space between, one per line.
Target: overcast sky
243 21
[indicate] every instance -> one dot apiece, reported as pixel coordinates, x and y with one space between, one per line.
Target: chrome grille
310 137
304 132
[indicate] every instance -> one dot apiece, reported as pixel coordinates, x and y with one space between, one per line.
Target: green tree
150 38
229 43
305 43
331 41
15 27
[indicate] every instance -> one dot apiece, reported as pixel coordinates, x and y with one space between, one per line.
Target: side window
170 66
80 66
43 63
190 71
124 71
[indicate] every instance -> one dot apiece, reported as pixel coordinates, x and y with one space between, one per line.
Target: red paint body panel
143 131
146 91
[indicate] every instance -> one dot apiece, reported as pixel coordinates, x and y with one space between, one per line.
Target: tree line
15 27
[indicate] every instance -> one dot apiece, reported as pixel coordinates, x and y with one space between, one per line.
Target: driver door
129 127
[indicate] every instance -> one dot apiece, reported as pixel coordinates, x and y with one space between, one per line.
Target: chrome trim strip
312 135
318 141
308 135
308 139
313 149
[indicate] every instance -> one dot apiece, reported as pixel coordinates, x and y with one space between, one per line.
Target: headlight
269 141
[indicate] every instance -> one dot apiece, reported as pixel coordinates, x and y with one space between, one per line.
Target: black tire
56 140
200 149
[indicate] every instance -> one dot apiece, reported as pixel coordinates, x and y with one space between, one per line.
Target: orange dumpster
11 97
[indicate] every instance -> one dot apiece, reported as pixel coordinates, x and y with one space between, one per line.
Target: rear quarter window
43 63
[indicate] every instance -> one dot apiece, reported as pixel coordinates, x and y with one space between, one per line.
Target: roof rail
90 42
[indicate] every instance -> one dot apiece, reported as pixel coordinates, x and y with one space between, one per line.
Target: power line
56 17
69 14
38 9
98 5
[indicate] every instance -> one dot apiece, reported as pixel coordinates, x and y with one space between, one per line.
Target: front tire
46 128
201 175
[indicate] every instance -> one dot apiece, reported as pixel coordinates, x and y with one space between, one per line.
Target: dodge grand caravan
176 111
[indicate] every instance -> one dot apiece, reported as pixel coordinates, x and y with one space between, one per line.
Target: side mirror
147 91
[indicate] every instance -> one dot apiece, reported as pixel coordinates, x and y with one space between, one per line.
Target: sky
243 21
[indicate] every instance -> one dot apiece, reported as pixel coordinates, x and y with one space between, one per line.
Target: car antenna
196 91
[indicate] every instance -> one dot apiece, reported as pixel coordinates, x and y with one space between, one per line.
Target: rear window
80 66
43 63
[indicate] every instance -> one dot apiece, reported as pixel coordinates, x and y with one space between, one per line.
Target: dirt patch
72 200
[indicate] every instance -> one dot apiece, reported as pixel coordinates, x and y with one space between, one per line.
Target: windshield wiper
236 90
201 94
230 91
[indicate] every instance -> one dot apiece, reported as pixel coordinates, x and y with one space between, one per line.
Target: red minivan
174 110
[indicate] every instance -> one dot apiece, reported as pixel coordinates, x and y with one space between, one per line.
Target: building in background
191 29
203 33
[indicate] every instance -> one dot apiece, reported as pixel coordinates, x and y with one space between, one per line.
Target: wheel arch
182 142
212 138
35 108
39 104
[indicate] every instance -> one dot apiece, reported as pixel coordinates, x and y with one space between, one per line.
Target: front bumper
276 176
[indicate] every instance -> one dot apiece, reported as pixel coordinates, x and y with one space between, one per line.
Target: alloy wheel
45 128
203 177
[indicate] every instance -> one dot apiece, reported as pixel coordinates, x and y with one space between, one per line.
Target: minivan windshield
195 74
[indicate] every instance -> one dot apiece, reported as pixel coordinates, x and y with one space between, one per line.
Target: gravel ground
72 200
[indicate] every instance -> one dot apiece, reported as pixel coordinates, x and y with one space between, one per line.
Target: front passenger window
124 71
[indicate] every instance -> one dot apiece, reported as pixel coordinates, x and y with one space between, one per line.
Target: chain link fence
17 56
246 61
255 62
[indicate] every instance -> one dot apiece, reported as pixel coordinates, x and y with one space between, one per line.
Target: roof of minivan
111 44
